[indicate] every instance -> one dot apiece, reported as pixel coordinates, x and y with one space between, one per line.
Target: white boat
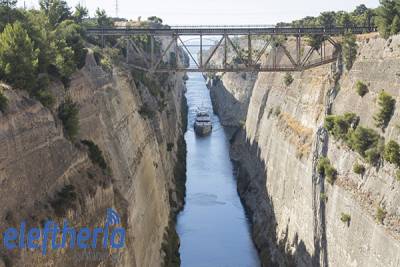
202 124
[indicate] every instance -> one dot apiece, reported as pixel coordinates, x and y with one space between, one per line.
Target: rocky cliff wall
296 215
140 133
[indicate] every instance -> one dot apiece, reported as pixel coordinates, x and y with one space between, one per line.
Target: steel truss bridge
235 48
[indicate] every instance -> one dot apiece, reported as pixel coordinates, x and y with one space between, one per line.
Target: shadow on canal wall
251 178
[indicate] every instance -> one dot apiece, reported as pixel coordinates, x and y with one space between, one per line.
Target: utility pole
116 8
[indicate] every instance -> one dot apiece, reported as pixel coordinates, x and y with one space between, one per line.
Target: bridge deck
234 30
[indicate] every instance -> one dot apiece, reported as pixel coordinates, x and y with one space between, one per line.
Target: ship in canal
202 124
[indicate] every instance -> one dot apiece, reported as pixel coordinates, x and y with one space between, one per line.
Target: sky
218 12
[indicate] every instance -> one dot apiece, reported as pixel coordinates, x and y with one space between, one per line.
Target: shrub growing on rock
346 218
349 48
331 174
358 168
362 139
95 154
64 199
288 79
45 97
387 104
323 197
372 156
361 88
322 163
392 153
339 126
170 146
380 214
326 169
3 102
146 111
68 114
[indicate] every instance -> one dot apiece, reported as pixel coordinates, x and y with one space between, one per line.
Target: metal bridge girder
252 62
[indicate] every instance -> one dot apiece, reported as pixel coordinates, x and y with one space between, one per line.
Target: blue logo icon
112 217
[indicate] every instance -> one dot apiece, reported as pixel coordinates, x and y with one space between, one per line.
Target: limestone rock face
276 154
142 151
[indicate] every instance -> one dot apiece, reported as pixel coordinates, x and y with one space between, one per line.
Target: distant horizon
211 12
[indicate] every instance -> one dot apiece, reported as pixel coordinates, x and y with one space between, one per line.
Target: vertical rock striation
295 214
140 135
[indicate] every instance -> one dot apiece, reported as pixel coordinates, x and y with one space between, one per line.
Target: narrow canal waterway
213 228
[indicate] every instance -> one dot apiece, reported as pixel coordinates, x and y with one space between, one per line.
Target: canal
213 228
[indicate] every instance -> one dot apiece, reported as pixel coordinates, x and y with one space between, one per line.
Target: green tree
38 28
344 19
315 41
358 168
385 16
155 19
395 27
362 139
18 58
64 60
56 10
8 3
360 10
102 19
3 102
80 13
8 13
361 88
349 50
71 33
68 114
392 153
387 104
327 19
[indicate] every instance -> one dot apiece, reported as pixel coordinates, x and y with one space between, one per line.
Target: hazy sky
219 11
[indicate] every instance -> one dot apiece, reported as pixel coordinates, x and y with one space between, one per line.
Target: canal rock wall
138 127
295 214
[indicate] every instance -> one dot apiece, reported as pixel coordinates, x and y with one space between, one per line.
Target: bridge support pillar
250 56
201 51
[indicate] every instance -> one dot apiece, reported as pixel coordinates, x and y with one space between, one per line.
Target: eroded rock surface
275 152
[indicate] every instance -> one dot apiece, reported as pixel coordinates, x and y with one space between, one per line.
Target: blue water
213 228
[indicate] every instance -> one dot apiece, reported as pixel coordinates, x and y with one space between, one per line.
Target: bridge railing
230 30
